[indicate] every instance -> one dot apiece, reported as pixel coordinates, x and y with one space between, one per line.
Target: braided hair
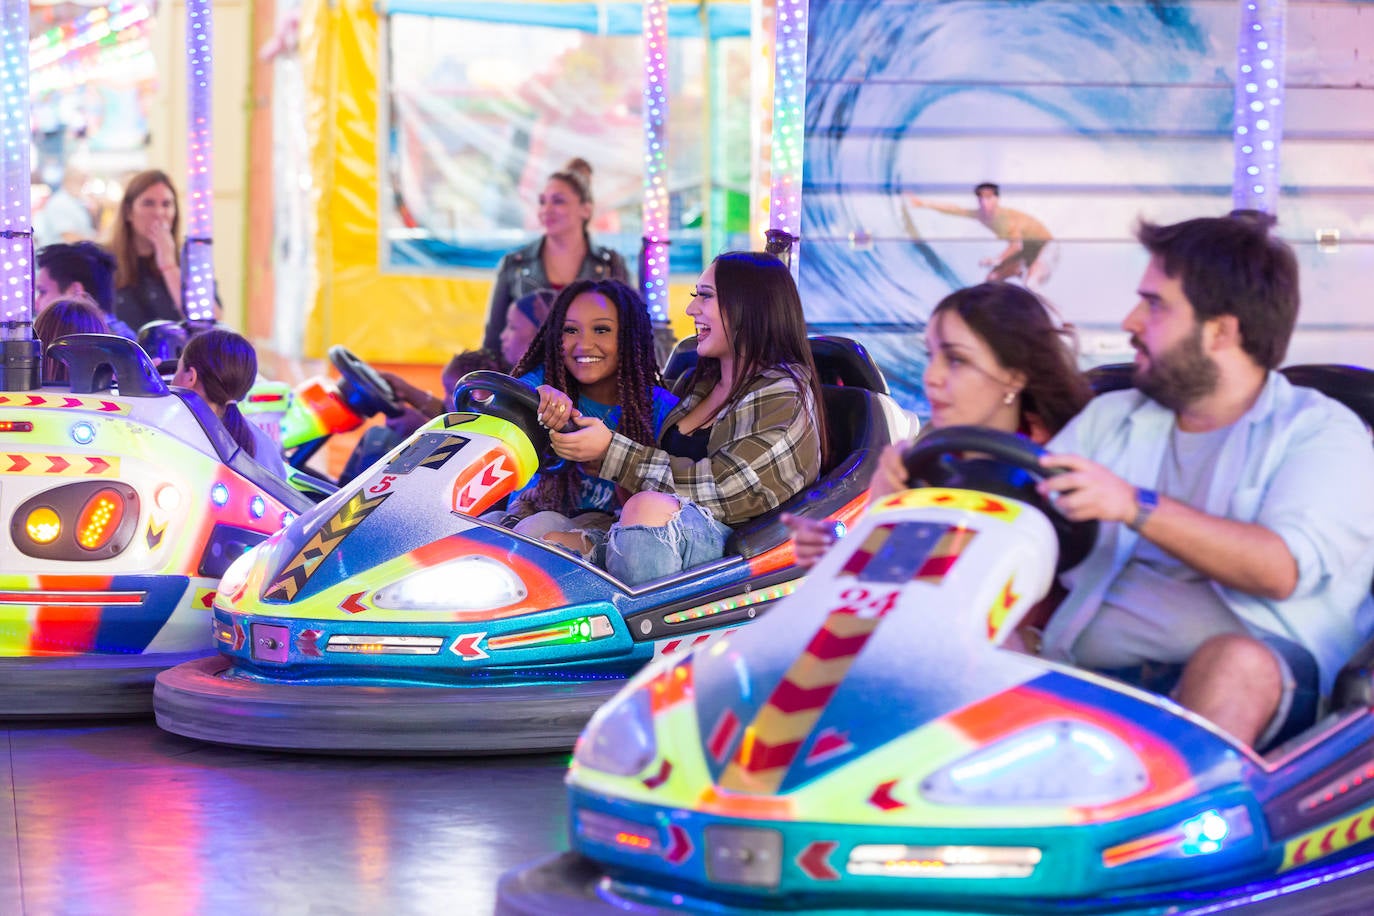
636 376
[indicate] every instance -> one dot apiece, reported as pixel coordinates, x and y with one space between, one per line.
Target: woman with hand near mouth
593 357
996 359
747 436
564 252
147 253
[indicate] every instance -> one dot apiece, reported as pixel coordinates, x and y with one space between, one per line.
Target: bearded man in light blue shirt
1237 575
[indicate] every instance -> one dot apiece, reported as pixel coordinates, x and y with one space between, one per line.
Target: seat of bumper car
105 362
839 361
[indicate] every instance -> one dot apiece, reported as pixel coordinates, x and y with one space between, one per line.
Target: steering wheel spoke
362 388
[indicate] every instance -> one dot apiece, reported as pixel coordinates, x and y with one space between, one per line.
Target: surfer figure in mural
1026 237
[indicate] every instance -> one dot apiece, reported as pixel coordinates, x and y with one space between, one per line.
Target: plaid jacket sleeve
764 450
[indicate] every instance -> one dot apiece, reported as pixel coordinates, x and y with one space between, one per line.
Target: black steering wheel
362 388
991 461
499 395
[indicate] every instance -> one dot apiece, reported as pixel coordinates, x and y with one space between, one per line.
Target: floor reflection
127 819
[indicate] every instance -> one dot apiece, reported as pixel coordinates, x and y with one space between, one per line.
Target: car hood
895 642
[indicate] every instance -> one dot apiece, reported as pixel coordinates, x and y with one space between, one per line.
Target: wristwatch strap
1146 502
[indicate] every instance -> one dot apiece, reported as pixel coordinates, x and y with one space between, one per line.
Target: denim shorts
1298 703
640 553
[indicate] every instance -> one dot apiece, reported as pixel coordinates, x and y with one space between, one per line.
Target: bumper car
877 744
392 618
125 501
319 408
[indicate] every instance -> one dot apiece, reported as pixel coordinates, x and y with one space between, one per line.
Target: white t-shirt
62 213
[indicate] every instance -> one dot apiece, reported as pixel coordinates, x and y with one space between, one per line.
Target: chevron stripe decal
444 452
322 544
772 741
908 551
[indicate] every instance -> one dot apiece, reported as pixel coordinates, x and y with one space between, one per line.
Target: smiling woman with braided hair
592 358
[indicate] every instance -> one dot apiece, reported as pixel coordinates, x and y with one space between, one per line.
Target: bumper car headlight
620 738
1054 763
236 576
467 583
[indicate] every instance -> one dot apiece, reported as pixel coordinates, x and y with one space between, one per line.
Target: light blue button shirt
1298 463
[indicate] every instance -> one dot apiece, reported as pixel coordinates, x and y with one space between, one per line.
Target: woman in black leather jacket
564 252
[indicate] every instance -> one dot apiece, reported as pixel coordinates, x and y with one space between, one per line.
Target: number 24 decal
862 603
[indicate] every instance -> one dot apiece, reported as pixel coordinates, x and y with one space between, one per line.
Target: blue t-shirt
598 494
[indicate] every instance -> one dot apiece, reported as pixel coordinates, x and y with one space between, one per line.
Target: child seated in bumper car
221 366
60 318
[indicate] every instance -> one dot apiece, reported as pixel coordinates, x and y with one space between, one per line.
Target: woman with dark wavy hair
748 435
997 359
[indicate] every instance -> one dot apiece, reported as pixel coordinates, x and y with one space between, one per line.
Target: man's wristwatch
1146 502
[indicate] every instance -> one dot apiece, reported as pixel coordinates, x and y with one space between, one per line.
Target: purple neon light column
789 134
1259 105
653 272
16 225
198 268
19 351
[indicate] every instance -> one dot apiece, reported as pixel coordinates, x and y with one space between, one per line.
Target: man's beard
1180 375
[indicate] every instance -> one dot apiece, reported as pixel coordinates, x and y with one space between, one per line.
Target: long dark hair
1017 326
226 365
122 237
636 374
765 328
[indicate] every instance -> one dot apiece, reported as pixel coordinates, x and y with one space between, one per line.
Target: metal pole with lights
789 116
198 268
1259 105
653 256
19 350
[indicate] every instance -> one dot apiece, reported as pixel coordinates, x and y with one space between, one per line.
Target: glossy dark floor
124 818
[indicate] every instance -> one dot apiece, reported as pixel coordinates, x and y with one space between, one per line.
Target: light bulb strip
1259 105
16 221
789 117
197 265
653 279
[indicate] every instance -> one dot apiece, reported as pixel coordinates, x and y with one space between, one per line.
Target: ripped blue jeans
639 553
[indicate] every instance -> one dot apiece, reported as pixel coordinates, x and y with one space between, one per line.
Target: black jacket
522 272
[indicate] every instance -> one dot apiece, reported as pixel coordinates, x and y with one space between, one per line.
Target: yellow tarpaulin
382 316
385 317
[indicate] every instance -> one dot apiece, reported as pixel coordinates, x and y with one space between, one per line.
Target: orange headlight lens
99 519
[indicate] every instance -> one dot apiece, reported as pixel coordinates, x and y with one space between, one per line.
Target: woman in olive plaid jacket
747 434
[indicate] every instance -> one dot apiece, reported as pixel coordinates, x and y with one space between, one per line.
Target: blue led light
257 507
219 494
287 518
1204 833
83 433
